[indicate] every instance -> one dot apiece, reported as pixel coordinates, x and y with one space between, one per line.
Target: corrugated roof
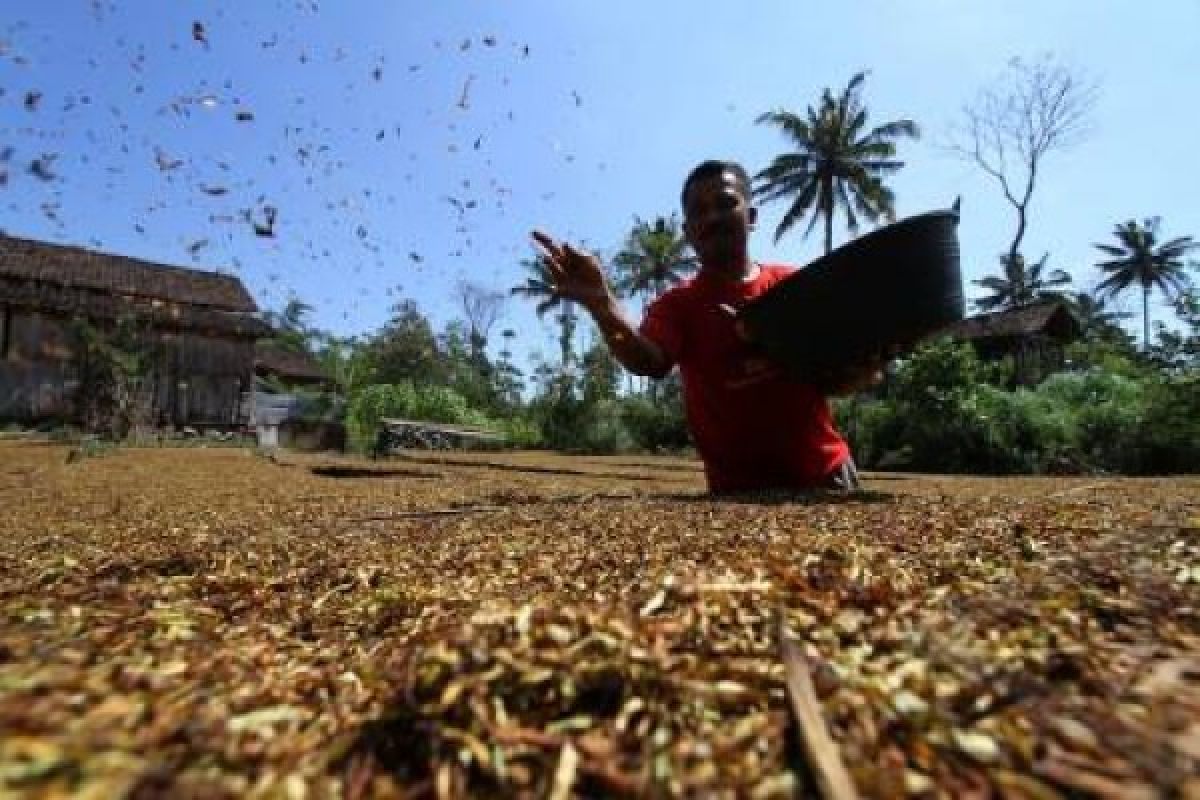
1049 318
76 267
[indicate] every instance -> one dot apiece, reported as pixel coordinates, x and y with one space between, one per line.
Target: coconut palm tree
539 286
653 257
1021 285
1140 259
292 331
837 163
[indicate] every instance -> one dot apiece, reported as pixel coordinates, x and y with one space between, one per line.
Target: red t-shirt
754 427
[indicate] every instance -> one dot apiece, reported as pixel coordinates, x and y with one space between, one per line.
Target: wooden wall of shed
37 376
198 379
1035 356
201 378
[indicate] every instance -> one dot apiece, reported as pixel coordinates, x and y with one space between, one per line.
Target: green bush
522 433
372 404
655 425
1024 432
943 412
1107 410
576 424
1167 438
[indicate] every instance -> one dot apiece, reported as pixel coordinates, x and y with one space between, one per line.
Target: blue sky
576 117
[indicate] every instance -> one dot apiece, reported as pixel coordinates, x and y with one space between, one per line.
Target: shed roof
288 364
1050 318
76 267
74 301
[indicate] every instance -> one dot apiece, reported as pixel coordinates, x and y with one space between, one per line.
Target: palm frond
1112 249
882 167
894 130
850 93
796 128
784 166
801 206
843 200
784 188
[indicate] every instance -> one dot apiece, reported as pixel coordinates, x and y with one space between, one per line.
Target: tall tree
292 331
1021 284
539 286
345 360
1139 259
1035 109
837 163
509 377
654 256
1180 349
405 349
482 307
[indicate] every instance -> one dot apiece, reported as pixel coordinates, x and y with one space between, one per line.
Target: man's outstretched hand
577 275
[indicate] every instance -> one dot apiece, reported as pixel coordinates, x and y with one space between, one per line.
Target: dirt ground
213 623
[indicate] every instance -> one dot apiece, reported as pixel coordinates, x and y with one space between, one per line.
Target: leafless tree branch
1036 108
482 307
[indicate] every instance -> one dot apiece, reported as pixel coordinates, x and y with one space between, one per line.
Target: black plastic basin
882 292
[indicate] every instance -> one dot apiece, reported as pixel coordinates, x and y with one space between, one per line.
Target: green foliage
1103 406
943 414
657 422
406 400
654 257
113 363
940 366
521 432
1179 350
346 361
574 422
1020 285
405 350
1109 354
1167 438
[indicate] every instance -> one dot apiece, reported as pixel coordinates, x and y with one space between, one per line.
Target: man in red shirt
754 427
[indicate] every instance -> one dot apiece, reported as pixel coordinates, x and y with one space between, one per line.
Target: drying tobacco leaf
203 622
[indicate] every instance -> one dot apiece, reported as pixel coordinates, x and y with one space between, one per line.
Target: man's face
718 219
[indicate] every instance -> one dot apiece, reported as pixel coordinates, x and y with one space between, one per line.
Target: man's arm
579 276
636 353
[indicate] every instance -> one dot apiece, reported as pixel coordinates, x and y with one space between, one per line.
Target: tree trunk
1146 319
568 331
1015 247
828 229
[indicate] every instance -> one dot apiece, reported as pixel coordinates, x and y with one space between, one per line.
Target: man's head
717 213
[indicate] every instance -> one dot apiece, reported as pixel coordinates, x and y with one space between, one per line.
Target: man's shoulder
776 269
683 292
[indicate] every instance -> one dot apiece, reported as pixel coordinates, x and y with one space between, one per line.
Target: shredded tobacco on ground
210 623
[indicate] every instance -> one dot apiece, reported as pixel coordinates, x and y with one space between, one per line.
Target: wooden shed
200 327
289 367
1034 336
